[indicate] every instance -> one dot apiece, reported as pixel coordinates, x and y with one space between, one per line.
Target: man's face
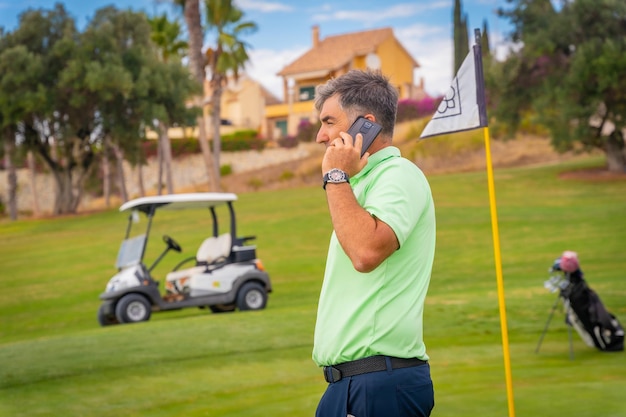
334 120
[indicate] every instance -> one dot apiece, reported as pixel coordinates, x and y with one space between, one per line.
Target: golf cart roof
178 201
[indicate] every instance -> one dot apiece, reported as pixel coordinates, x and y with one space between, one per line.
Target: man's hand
344 153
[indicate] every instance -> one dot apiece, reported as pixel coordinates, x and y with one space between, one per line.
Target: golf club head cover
569 261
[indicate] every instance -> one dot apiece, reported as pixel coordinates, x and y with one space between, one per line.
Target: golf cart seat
212 251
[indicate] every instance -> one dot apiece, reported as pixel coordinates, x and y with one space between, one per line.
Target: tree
8 127
7 134
197 64
32 170
460 35
66 95
158 89
166 37
569 74
113 49
484 41
9 166
168 86
32 59
226 57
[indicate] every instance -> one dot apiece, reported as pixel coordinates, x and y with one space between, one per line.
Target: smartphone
368 129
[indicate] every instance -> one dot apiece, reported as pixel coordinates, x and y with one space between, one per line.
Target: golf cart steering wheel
171 243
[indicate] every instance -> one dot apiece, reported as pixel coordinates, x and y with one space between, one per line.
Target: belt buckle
332 374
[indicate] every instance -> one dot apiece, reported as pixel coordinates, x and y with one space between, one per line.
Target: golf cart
224 274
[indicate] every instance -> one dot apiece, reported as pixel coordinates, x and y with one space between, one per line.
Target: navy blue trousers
406 392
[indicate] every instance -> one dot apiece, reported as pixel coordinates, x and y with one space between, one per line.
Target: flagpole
500 281
480 83
482 106
464 109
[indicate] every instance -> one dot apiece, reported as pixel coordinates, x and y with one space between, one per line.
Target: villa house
246 104
243 106
243 103
331 57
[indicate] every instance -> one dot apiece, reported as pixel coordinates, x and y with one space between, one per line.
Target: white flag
463 106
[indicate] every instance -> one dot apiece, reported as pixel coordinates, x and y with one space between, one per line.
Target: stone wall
188 172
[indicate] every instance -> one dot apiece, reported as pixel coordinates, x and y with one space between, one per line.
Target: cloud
429 42
431 47
265 63
402 10
263 6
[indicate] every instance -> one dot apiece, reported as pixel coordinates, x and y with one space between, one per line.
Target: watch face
336 175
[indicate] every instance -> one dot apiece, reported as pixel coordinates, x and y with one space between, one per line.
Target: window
281 128
306 93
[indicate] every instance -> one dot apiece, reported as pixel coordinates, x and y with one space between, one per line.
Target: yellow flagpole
498 261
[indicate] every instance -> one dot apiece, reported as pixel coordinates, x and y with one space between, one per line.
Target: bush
288 142
180 147
307 131
255 183
286 176
241 140
225 170
185 146
409 109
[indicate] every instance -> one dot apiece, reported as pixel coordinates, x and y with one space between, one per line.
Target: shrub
255 183
288 142
180 147
307 131
185 146
225 170
286 176
241 140
409 109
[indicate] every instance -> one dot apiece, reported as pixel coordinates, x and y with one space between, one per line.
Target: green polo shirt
380 312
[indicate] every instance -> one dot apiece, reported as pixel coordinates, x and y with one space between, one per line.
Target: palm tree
197 66
226 57
166 37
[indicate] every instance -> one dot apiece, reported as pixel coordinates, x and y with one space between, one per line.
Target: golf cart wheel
251 296
133 308
106 319
223 308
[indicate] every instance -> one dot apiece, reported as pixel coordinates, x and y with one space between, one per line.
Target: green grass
56 361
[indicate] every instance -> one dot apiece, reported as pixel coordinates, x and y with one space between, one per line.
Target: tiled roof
336 51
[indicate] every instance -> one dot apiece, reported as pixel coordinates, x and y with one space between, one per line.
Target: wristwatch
335 176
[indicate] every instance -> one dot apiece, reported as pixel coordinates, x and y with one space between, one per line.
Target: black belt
335 373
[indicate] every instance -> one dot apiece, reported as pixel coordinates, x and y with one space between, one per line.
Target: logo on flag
450 105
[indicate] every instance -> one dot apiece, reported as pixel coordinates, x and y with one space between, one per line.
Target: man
368 335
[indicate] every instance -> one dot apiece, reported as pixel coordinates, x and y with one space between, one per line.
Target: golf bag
584 310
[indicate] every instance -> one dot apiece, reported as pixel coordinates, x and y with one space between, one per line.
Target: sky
423 27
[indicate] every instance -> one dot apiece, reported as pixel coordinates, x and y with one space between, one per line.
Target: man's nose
321 136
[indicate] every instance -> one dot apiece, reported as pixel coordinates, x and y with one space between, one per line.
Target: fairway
55 360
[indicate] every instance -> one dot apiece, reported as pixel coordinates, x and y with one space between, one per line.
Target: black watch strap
335 176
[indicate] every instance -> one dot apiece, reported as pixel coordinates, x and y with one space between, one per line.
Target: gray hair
362 92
